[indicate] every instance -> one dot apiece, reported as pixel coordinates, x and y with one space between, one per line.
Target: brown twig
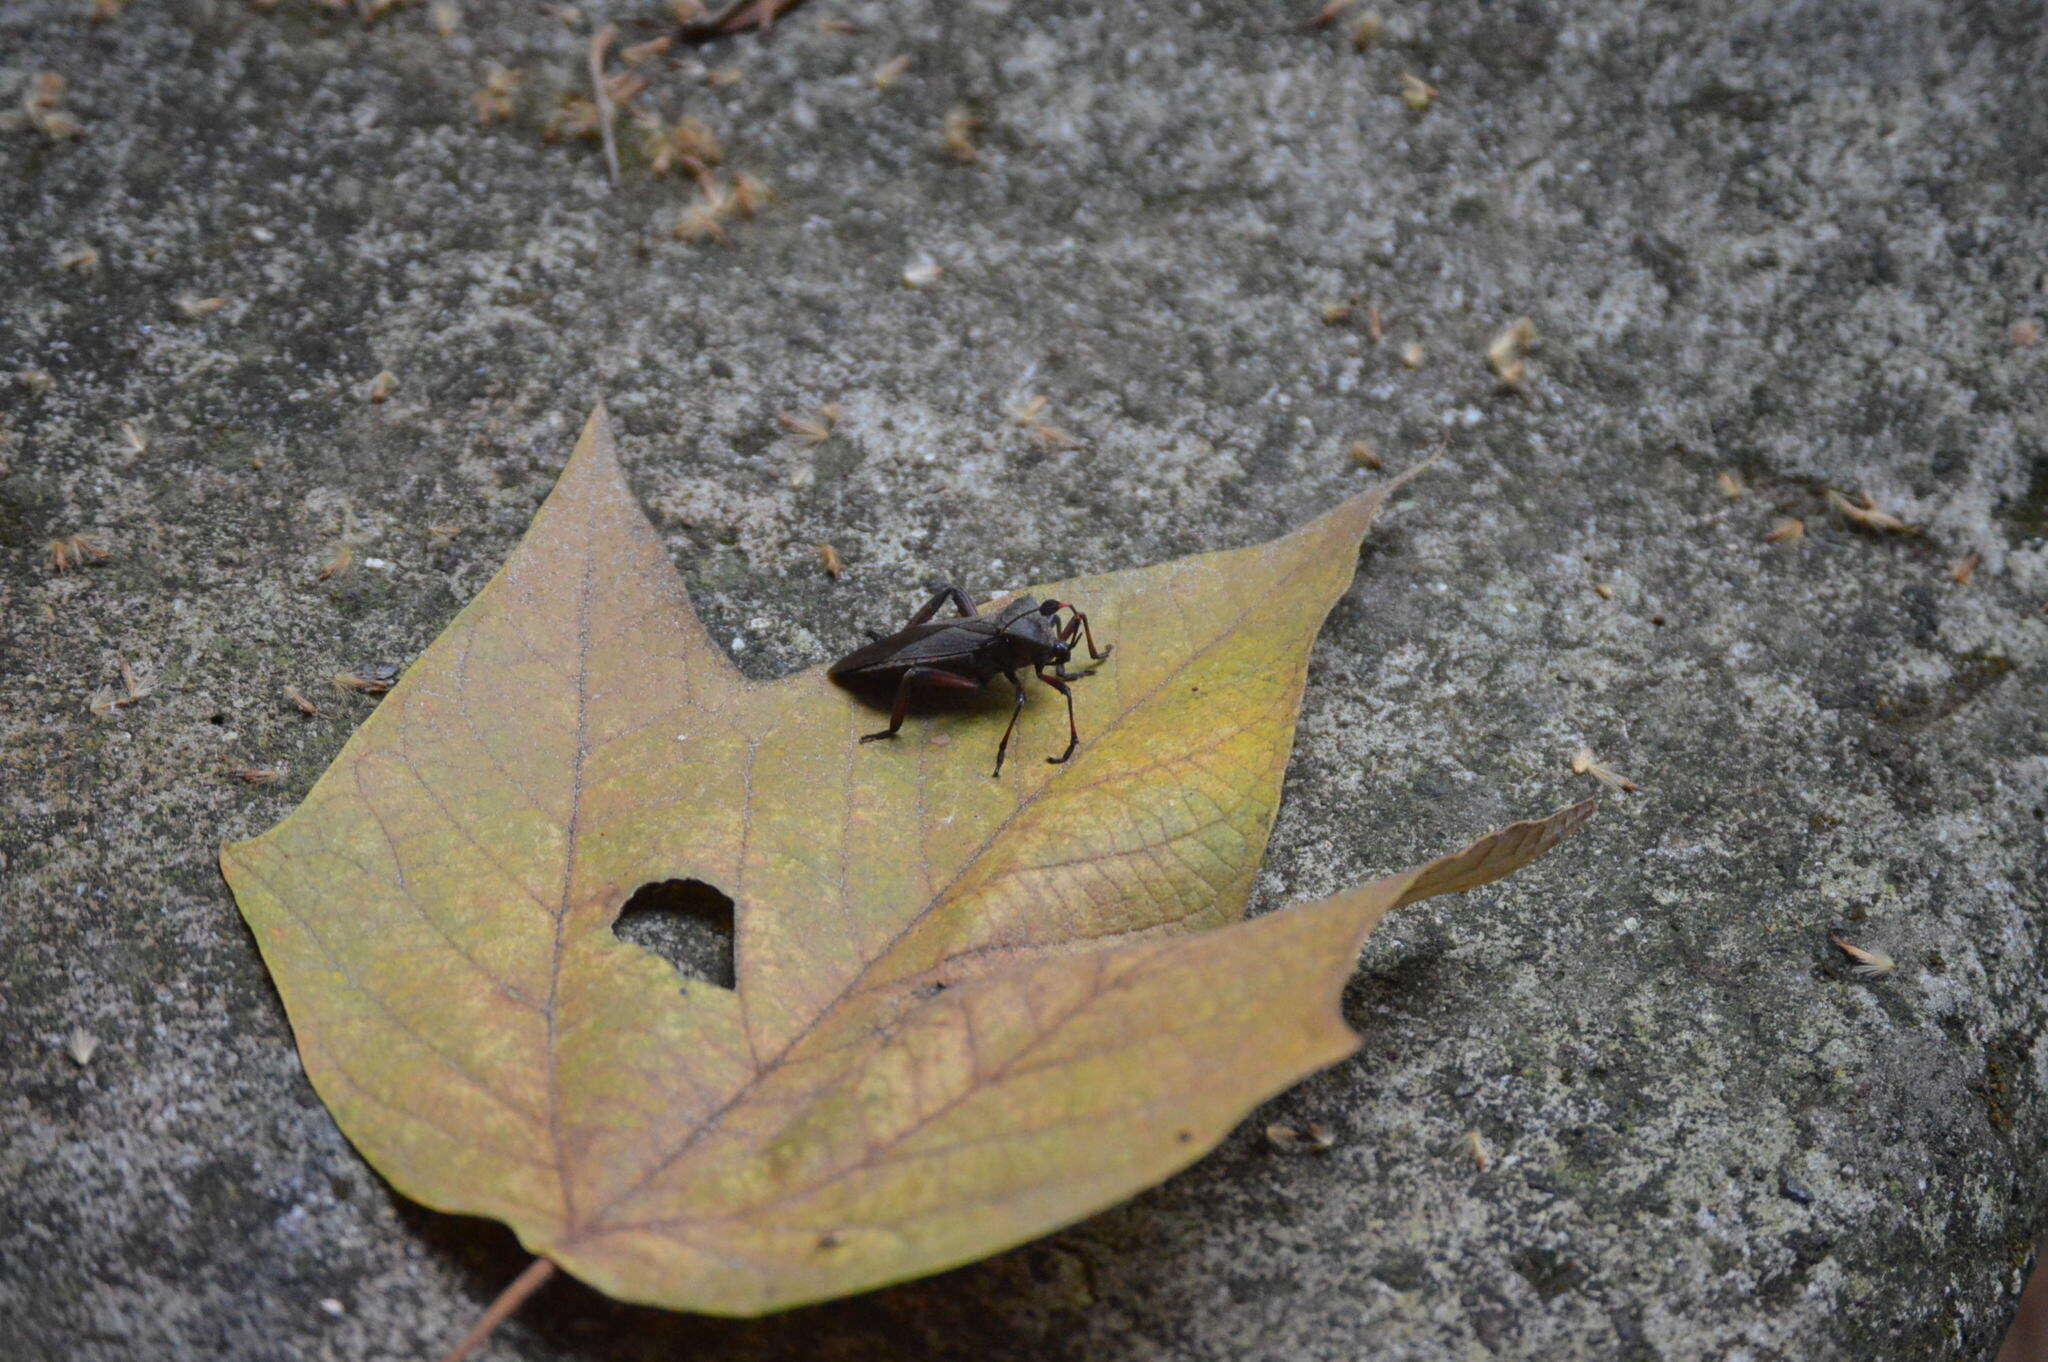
511 1298
600 42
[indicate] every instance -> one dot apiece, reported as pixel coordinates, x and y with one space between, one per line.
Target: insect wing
921 645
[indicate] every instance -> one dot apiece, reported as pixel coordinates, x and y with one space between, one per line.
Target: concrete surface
1799 242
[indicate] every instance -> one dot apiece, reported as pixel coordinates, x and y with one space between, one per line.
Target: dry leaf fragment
1963 571
133 440
252 775
1417 93
1375 330
1330 10
1867 515
1787 531
1412 355
1584 765
1730 485
196 307
891 71
1868 963
1308 1137
922 272
842 27
81 1045
381 387
918 1063
304 706
961 125
1366 33
829 557
1505 351
1337 314
79 259
1364 455
1030 409
1603 591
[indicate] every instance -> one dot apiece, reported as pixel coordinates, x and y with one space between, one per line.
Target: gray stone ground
1790 240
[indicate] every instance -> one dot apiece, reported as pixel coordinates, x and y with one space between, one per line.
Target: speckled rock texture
1801 243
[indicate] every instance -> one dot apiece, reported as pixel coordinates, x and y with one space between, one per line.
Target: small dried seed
1867 515
1365 456
1306 1138
829 557
1965 570
1868 963
1790 530
891 71
1417 93
1584 765
960 127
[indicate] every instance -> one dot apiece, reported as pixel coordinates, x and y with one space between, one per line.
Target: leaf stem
511 1298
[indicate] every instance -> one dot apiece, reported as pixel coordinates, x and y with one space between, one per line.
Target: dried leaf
1417 93
967 1010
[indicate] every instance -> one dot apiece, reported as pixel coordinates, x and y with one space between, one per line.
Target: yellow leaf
967 1010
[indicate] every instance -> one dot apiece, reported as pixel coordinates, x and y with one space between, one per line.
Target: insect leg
1088 634
1004 745
1073 734
936 676
945 592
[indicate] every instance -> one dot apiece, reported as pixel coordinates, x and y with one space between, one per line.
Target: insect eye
1052 607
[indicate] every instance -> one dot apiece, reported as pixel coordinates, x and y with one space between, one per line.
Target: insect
964 653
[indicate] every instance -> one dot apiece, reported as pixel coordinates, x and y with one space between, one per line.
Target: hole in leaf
685 922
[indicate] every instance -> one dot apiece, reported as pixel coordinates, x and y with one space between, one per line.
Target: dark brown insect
964 654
